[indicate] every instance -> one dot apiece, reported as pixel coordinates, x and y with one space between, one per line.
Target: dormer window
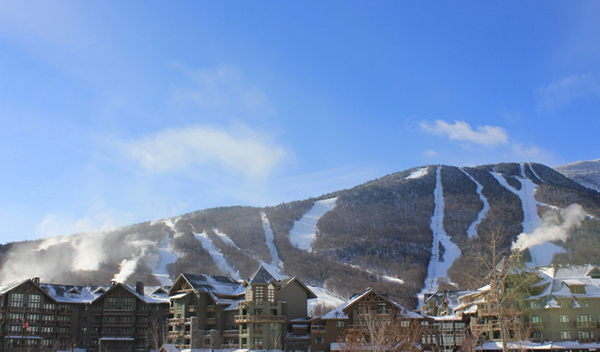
577 289
259 293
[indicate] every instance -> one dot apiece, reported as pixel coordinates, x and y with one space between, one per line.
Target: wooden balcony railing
318 328
586 324
244 319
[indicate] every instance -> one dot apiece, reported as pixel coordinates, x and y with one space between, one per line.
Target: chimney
113 282
139 287
36 280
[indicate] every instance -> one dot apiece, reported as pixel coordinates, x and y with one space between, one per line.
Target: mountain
586 173
404 233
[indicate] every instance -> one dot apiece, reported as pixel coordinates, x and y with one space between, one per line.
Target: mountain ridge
381 233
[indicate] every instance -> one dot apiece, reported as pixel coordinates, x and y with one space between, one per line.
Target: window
459 325
16 300
362 308
259 293
533 304
404 323
584 317
564 303
258 342
585 303
271 293
319 339
48 317
585 334
447 325
381 308
35 301
49 306
537 335
563 318
339 324
536 319
128 303
565 335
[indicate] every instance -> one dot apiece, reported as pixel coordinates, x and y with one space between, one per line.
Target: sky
114 113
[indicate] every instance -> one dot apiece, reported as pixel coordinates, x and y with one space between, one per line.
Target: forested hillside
378 234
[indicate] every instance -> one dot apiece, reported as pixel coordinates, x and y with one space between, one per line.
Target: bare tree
500 314
276 336
380 334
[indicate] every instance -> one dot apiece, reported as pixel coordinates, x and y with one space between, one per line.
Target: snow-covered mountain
586 173
405 233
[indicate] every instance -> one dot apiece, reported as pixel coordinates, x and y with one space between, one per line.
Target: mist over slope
391 234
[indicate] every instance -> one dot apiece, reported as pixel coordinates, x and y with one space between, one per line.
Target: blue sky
115 113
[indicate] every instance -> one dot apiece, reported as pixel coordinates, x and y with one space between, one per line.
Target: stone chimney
139 287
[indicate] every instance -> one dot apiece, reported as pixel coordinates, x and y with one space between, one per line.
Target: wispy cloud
430 153
223 86
244 151
462 131
563 92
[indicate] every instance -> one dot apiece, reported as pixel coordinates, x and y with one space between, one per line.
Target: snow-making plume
142 249
53 256
555 226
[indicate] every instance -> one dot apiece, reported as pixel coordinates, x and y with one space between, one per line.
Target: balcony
318 328
142 324
65 312
588 340
244 319
210 321
173 334
213 308
64 323
172 310
192 309
142 312
48 322
257 331
586 324
244 333
176 321
536 325
118 323
118 312
231 333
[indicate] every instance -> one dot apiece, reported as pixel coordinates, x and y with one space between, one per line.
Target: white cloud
430 153
462 131
223 87
561 93
245 152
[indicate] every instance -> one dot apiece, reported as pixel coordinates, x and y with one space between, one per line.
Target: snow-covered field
303 234
417 173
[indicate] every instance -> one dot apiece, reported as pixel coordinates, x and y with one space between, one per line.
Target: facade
49 317
557 304
361 313
217 312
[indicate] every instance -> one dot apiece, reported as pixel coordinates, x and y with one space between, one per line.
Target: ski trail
275 260
534 173
540 254
303 234
472 231
438 265
217 256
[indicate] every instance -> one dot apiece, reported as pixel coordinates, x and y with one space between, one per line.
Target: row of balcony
244 319
181 321
246 304
194 309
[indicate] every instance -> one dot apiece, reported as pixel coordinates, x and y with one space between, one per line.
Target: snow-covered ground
540 254
303 234
472 230
323 297
438 265
417 173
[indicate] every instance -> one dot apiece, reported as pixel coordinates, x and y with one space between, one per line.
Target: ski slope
303 234
472 230
438 264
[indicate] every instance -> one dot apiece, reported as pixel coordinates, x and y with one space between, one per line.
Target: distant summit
586 173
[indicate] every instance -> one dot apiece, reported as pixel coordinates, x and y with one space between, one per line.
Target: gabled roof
341 312
261 276
286 282
206 283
